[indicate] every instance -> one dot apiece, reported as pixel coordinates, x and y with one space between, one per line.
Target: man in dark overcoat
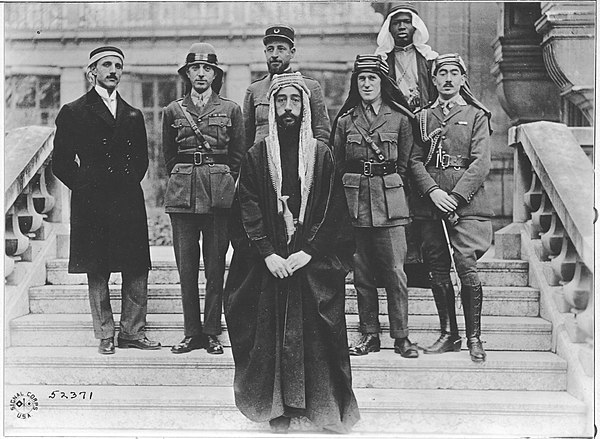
285 303
449 165
203 143
101 154
279 51
372 142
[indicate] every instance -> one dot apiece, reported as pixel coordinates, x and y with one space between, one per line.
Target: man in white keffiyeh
286 282
402 43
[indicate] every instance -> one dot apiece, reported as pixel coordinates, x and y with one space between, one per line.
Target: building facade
47 45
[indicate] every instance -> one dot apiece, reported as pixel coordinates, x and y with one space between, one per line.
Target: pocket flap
178 123
351 180
392 180
222 121
219 169
183 168
389 137
354 138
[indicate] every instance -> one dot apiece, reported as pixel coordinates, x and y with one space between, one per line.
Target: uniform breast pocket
222 186
395 199
185 134
217 127
179 186
354 151
389 145
351 188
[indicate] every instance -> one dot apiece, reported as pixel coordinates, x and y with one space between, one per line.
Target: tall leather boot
449 340
472 298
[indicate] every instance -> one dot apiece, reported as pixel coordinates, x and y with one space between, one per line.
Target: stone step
499 333
203 409
166 299
503 370
492 271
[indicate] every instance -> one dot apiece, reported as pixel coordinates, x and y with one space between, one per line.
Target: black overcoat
288 336
102 160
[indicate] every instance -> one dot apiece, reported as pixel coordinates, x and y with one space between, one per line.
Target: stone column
72 84
238 80
567 30
524 88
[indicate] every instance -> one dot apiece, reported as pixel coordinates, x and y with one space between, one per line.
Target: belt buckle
368 169
445 162
198 158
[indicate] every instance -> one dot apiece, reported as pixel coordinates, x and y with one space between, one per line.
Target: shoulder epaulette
350 110
259 79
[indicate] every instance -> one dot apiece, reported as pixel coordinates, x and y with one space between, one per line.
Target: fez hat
370 63
280 31
200 53
103 51
406 5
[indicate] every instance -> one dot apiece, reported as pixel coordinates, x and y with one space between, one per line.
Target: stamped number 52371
59 394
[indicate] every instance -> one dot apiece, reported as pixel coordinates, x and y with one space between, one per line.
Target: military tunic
464 135
378 209
199 196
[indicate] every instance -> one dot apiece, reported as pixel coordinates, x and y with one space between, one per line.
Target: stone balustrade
554 197
29 202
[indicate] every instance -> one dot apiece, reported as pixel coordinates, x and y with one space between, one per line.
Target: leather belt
202 158
371 169
451 161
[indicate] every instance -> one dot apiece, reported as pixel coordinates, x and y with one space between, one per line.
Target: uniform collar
103 93
456 100
201 99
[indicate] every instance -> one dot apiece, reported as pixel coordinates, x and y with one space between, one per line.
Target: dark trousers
380 254
186 237
134 305
470 239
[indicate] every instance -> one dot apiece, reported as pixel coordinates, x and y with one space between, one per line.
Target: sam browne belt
371 169
450 161
202 158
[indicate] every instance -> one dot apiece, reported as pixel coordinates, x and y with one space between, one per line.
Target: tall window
151 93
31 100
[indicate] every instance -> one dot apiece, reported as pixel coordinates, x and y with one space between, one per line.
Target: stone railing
554 204
34 203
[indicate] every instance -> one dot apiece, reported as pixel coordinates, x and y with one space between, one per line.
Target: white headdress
307 147
385 40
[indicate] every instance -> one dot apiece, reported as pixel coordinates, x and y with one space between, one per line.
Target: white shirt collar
409 48
201 97
104 93
456 100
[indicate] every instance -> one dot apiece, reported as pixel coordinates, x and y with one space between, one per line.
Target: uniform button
444 137
444 124
107 154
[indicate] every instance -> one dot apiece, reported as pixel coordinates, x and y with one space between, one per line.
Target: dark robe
288 336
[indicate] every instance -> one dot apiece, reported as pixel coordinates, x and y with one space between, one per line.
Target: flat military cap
281 31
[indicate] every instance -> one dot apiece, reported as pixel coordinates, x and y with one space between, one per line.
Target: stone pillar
567 30
72 84
524 88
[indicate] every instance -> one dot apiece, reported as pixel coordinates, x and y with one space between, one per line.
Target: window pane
23 91
167 92
147 94
49 92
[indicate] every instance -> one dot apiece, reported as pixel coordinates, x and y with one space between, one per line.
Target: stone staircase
519 391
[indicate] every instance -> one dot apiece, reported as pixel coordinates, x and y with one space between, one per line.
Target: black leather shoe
368 343
405 348
142 343
446 343
280 424
214 345
189 344
107 346
476 351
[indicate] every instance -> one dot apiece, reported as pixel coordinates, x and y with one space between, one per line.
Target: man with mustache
279 51
203 143
285 302
101 154
449 164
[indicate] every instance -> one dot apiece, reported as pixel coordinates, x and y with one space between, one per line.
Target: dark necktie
369 113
